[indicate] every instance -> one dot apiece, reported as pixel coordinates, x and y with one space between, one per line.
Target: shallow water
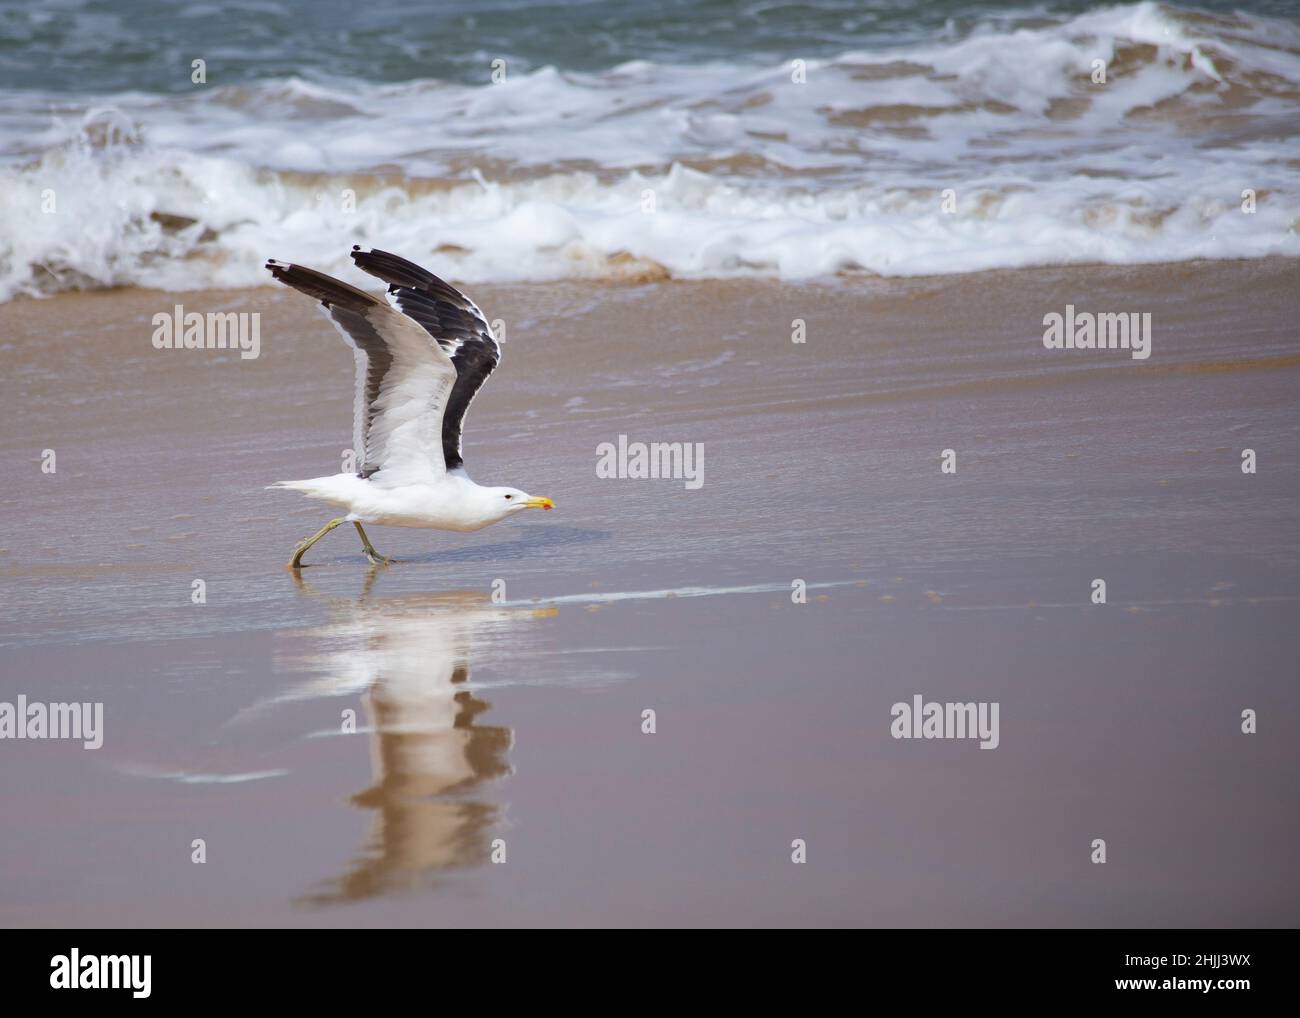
517 725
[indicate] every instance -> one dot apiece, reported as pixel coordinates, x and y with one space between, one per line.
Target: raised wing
453 320
403 381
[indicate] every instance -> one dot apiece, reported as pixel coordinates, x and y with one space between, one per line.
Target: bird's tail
313 488
335 489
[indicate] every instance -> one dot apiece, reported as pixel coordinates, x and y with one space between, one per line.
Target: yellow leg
375 558
298 552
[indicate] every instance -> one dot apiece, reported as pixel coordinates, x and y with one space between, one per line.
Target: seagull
422 353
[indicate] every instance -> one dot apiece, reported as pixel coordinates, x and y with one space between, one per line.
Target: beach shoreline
520 720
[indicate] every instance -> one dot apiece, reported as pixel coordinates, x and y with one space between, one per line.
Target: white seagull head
503 502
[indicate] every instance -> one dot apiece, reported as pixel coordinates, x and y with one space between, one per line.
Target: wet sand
519 723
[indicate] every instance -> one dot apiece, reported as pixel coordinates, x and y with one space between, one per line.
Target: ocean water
516 141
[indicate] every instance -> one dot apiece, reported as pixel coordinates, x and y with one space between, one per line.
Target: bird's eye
509 497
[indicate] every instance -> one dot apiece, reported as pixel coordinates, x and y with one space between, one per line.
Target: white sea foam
545 176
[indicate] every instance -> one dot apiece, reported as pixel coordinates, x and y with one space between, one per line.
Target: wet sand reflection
430 750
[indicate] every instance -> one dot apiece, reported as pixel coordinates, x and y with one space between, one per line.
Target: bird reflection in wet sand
409 658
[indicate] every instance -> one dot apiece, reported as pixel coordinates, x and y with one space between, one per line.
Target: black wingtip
326 289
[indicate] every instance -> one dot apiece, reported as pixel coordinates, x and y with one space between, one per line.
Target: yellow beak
540 503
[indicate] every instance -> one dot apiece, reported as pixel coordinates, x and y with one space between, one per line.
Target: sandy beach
515 725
